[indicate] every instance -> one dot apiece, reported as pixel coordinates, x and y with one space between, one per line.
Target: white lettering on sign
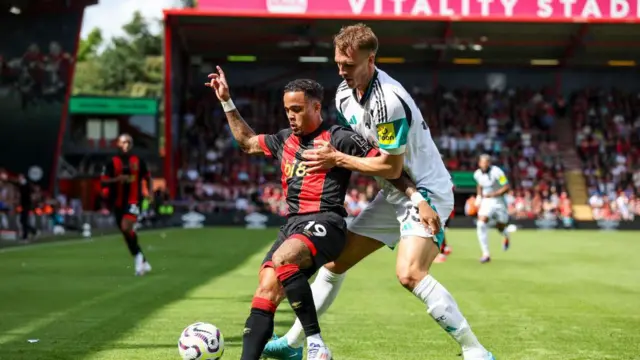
357 6
591 9
444 8
421 7
397 7
619 9
545 9
508 7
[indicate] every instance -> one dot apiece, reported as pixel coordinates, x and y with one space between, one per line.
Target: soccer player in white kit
492 186
380 109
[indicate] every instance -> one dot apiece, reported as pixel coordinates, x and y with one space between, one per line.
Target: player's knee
268 287
293 251
410 275
126 226
337 267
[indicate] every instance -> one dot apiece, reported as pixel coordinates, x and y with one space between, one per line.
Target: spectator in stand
565 210
514 126
607 125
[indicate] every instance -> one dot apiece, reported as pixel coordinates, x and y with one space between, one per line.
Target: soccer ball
201 341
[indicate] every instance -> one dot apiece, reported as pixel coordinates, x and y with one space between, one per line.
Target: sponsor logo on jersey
294 168
386 134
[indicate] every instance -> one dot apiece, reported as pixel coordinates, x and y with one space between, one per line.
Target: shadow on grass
80 299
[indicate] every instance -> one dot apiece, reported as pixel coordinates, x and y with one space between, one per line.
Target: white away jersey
389 119
492 180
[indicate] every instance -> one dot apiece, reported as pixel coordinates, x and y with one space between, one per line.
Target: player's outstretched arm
392 132
352 152
242 132
387 166
405 184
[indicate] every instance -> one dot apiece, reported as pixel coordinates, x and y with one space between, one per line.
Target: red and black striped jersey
319 192
122 194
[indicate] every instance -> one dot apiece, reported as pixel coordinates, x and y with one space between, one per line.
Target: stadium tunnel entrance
264 52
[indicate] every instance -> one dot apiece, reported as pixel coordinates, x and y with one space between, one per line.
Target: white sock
483 237
139 259
325 289
505 233
444 310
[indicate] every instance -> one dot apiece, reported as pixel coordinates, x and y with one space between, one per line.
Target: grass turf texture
554 295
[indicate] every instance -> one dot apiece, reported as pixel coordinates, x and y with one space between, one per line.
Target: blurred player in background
492 186
122 180
378 107
26 203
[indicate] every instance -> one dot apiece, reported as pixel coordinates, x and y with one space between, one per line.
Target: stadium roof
423 42
26 6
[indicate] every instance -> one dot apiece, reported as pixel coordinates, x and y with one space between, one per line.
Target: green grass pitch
553 296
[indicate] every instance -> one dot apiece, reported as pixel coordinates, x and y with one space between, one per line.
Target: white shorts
387 222
494 209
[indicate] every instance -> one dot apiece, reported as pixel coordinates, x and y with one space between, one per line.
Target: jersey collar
316 132
367 94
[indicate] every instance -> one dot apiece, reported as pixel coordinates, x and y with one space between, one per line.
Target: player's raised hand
320 158
429 217
218 82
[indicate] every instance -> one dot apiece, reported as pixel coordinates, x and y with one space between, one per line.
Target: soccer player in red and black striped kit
315 232
122 183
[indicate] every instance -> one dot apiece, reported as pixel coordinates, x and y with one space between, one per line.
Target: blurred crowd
35 76
513 126
607 129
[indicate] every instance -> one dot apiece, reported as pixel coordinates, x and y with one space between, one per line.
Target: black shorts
131 212
446 223
324 233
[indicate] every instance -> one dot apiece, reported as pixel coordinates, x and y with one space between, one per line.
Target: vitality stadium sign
472 10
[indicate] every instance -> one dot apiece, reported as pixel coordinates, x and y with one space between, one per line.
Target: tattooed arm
247 139
243 133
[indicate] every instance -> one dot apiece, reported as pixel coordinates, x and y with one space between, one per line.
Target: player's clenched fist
218 82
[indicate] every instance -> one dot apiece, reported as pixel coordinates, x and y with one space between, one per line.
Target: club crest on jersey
360 141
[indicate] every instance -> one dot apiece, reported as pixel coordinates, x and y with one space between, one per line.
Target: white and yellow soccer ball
201 341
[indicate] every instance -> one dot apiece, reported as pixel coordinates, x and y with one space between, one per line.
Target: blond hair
358 37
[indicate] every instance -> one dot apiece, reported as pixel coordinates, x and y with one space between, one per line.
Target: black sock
258 329
296 286
132 243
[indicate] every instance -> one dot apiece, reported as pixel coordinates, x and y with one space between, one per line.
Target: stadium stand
515 126
607 139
